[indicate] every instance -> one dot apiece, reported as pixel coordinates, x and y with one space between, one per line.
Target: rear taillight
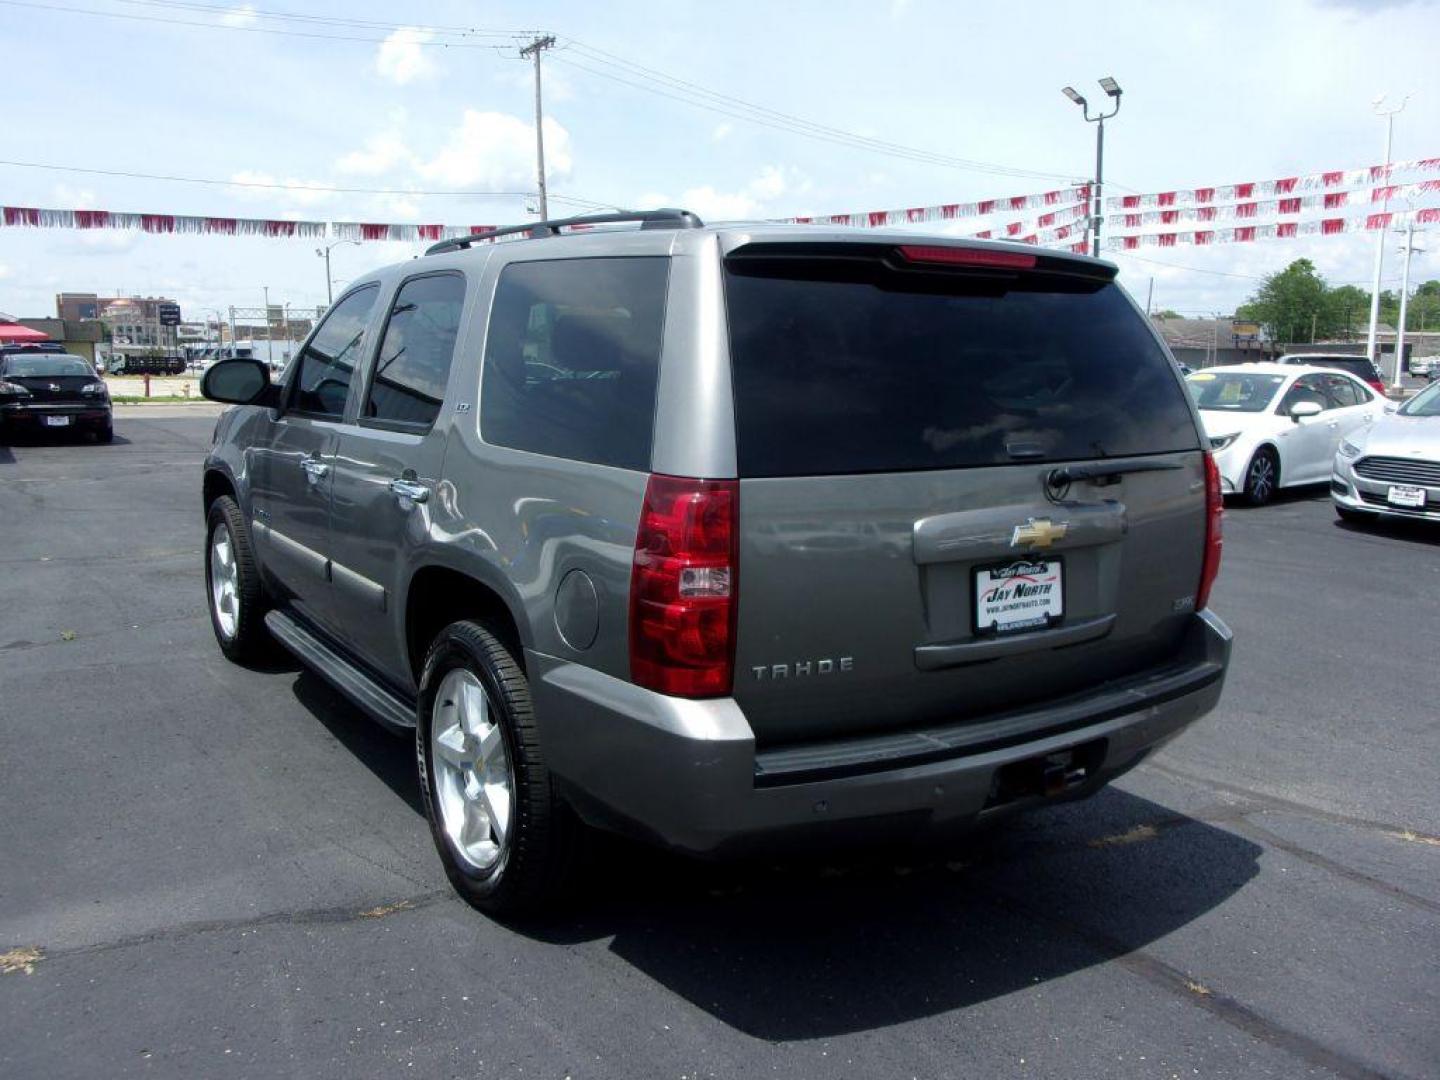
1214 525
683 587
1376 385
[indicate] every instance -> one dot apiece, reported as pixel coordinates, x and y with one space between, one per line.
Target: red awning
15 332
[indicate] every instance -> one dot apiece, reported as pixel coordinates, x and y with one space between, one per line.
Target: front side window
413 364
572 357
326 364
1309 388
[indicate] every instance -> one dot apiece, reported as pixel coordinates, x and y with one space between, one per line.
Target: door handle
315 468
405 488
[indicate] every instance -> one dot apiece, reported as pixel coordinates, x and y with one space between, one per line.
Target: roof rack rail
537 230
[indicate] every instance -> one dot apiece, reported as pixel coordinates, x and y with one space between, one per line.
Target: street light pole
329 281
1112 89
1371 346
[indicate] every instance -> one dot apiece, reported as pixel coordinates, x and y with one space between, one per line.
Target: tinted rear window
42 367
839 370
572 357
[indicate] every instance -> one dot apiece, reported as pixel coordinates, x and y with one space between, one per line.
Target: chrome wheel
224 582
1262 478
474 784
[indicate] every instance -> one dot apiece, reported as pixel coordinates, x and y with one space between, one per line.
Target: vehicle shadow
813 950
390 757
1301 493
807 947
1426 533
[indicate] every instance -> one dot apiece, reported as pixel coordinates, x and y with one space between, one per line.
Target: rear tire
475 712
105 434
1262 477
235 594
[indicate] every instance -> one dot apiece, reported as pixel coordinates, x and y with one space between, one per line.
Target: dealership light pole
329 284
1371 347
1111 88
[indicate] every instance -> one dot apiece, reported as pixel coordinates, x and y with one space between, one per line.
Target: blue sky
1215 93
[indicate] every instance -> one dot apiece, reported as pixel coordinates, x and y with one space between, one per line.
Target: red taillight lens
1214 539
962 256
682 587
1376 385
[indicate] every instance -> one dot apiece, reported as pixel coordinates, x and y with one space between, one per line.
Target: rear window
45 367
845 367
572 357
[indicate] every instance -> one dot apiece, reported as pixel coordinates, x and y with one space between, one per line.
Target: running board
382 705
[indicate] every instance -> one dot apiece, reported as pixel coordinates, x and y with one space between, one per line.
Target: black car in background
46 391
1359 366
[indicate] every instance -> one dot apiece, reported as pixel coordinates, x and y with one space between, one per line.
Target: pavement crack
330 916
1202 995
1314 858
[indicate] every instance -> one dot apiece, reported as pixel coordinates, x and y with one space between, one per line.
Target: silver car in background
1393 465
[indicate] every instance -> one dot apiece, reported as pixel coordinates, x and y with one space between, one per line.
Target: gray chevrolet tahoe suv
726 536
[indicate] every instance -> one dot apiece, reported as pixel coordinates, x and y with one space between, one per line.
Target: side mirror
1303 410
239 382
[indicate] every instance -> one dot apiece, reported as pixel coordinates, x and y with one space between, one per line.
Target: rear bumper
84 415
687 775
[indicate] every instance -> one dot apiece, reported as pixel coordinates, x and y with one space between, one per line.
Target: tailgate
964 487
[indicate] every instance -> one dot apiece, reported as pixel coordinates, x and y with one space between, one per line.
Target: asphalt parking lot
212 871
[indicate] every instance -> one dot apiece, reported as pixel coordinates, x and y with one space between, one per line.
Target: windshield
46 367
1234 391
1425 403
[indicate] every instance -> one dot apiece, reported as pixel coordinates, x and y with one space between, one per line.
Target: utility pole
1410 248
269 351
535 48
1149 296
1389 114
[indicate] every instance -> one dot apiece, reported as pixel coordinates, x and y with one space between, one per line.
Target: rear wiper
1066 474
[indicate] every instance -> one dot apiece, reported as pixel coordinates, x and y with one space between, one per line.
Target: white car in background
1392 467
1278 425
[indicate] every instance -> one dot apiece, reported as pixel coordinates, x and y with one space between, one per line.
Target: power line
134 17
311 188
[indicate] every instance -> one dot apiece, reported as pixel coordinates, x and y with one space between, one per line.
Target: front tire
232 585
1262 477
105 434
506 839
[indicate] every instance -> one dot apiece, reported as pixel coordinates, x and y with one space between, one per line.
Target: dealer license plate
1022 595
1407 495
57 421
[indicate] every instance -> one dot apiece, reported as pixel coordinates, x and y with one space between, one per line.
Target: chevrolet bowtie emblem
1039 533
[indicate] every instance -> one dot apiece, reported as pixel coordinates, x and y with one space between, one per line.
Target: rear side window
326 364
572 357
845 367
418 346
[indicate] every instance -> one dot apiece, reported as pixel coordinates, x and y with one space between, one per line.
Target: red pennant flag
1244 191
1205 213
22 215
1334 199
1331 226
1169 217
1287 228
1246 210
430 232
986 207
1245 234
92 219
157 223
1165 198
1204 194
1130 202
1287 185
1375 221
1166 239
1332 179
1204 237
949 210
1291 206
1131 243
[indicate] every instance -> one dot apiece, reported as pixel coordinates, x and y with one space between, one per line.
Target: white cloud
755 199
402 57
5 271
496 152
381 154
299 191
722 131
244 15
70 198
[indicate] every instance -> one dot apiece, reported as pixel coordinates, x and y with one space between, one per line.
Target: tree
1167 314
1293 305
1349 310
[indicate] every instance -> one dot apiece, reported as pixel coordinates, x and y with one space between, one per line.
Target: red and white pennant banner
359 230
40 218
1339 179
1296 204
918 215
1279 230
